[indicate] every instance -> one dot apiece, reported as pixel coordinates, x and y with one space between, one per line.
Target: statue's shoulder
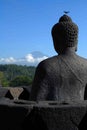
82 60
81 63
49 62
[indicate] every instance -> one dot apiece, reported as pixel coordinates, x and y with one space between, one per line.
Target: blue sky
26 25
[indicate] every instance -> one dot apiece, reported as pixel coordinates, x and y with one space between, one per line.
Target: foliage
11 74
21 81
3 81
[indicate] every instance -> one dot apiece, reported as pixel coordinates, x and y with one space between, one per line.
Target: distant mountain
38 54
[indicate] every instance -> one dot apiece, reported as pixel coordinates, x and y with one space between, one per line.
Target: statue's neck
69 50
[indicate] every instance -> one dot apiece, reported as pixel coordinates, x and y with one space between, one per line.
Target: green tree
21 81
3 80
9 72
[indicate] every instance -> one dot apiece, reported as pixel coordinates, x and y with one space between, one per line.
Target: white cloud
29 59
1 59
8 60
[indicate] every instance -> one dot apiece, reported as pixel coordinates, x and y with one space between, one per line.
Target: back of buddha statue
62 77
71 78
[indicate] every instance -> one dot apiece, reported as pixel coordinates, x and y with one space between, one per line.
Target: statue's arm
40 84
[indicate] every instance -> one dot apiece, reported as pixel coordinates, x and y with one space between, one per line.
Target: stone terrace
44 115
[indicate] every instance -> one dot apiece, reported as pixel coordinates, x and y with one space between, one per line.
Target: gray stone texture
15 92
25 95
5 92
62 77
28 115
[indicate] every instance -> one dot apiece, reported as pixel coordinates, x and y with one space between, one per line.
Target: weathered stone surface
15 91
25 95
28 115
12 114
62 77
55 116
4 92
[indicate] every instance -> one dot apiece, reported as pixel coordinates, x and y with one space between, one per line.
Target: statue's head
65 34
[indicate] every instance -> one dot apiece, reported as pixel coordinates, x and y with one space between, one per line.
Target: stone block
55 116
4 92
25 95
43 115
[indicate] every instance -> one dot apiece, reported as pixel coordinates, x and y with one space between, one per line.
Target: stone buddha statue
62 77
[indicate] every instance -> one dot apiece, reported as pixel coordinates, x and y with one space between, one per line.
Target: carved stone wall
28 115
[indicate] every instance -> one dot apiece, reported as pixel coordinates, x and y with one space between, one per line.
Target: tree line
16 75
